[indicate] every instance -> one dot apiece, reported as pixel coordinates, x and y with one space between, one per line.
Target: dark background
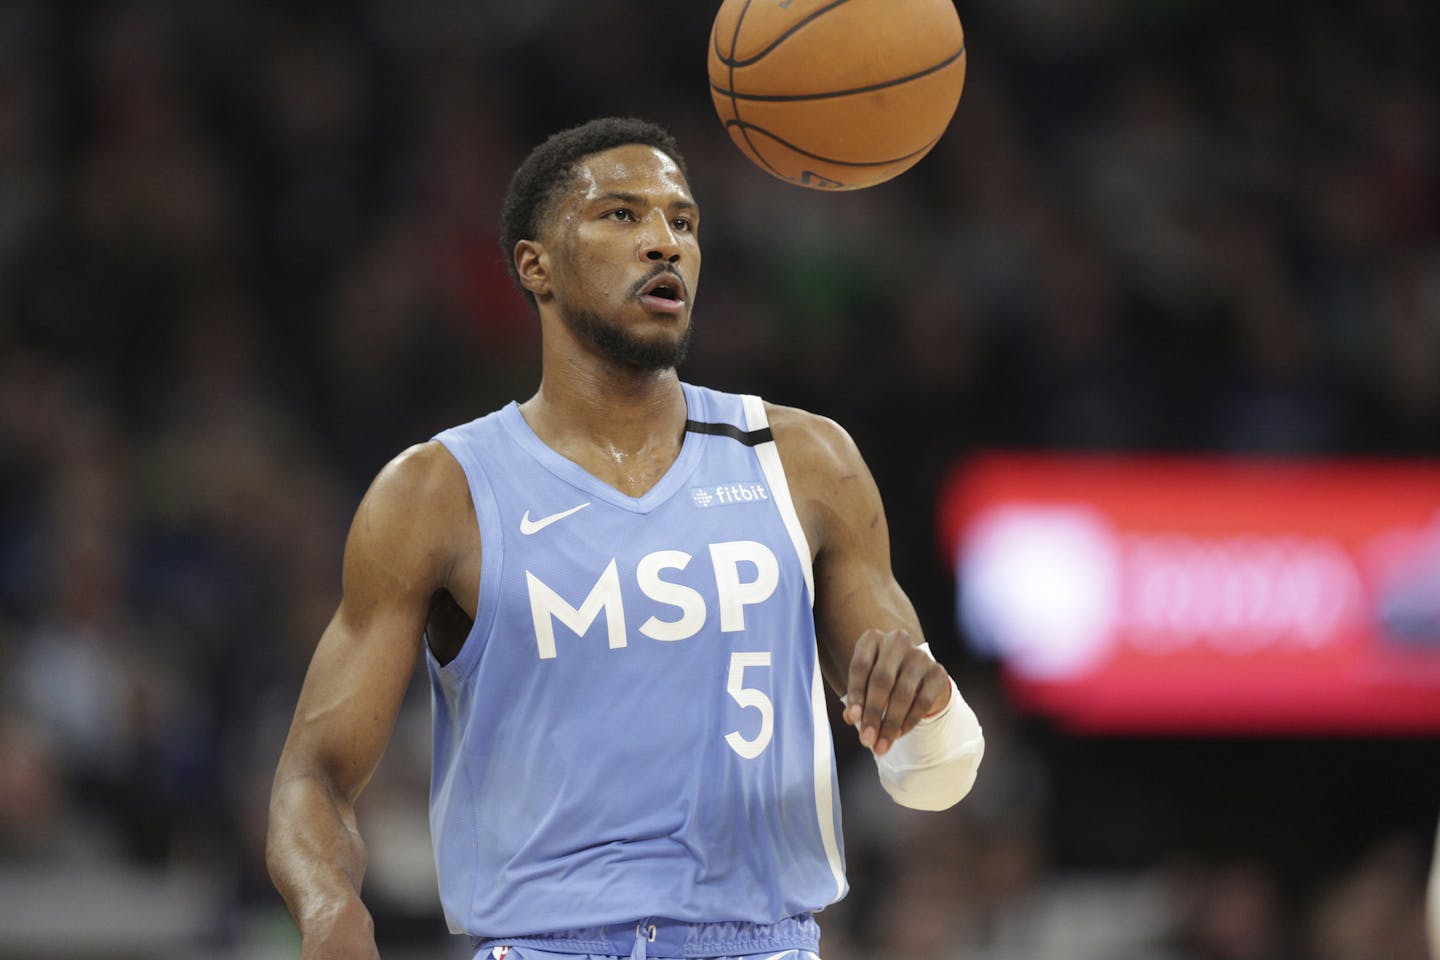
247 255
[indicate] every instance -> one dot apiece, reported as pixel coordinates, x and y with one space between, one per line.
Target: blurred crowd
247 254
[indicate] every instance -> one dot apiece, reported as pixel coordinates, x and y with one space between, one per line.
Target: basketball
836 94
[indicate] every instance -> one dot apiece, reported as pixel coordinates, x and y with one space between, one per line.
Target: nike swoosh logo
528 526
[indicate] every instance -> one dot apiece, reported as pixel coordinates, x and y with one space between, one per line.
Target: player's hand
347 934
892 686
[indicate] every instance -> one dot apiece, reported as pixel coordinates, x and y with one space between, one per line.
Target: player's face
626 256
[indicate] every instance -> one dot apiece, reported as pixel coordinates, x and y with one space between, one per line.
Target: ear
532 263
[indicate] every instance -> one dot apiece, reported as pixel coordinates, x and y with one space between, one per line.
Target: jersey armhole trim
822 750
769 455
492 560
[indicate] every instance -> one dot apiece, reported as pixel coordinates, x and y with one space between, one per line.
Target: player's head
593 215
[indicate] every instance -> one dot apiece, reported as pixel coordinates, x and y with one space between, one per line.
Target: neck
587 402
608 408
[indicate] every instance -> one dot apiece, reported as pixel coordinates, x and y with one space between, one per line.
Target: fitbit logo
729 494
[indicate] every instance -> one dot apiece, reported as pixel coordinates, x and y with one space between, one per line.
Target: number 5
750 697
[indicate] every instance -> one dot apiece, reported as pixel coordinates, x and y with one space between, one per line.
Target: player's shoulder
415 509
424 483
828 478
423 468
801 429
813 445
409 532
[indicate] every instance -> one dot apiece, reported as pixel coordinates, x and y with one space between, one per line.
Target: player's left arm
926 740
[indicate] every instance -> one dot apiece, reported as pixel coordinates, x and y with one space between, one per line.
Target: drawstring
644 933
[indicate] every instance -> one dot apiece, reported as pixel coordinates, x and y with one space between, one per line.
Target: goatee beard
622 348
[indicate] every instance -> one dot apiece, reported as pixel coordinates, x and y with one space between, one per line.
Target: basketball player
630 589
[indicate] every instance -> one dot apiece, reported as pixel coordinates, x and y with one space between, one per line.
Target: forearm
314 851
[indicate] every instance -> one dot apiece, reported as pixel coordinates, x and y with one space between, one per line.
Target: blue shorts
535 953
795 938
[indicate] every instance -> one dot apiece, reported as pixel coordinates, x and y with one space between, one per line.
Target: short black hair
550 168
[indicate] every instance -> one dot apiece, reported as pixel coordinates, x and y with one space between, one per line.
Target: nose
659 242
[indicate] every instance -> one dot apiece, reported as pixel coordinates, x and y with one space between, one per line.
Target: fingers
861 662
873 671
932 696
892 686
887 699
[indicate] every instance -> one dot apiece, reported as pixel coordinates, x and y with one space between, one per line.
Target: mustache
658 270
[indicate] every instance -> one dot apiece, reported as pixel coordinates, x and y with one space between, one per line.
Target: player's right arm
409 540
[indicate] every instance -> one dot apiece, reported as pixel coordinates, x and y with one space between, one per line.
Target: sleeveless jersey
635 726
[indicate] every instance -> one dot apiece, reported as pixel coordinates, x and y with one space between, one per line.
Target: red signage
1204 595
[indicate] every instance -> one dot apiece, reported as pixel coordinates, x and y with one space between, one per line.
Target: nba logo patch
500 953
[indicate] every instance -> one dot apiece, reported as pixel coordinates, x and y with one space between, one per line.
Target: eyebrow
635 200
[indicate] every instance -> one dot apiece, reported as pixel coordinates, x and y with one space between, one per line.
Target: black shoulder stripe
748 437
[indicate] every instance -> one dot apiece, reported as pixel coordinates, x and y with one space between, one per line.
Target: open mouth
664 292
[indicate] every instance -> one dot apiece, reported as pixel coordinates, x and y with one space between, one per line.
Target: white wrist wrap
934 765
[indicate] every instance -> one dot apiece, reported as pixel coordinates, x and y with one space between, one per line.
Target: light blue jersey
635 728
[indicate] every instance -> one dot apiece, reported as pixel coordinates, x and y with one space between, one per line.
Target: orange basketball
836 94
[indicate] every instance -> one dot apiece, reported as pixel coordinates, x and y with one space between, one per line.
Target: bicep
396 558
352 693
